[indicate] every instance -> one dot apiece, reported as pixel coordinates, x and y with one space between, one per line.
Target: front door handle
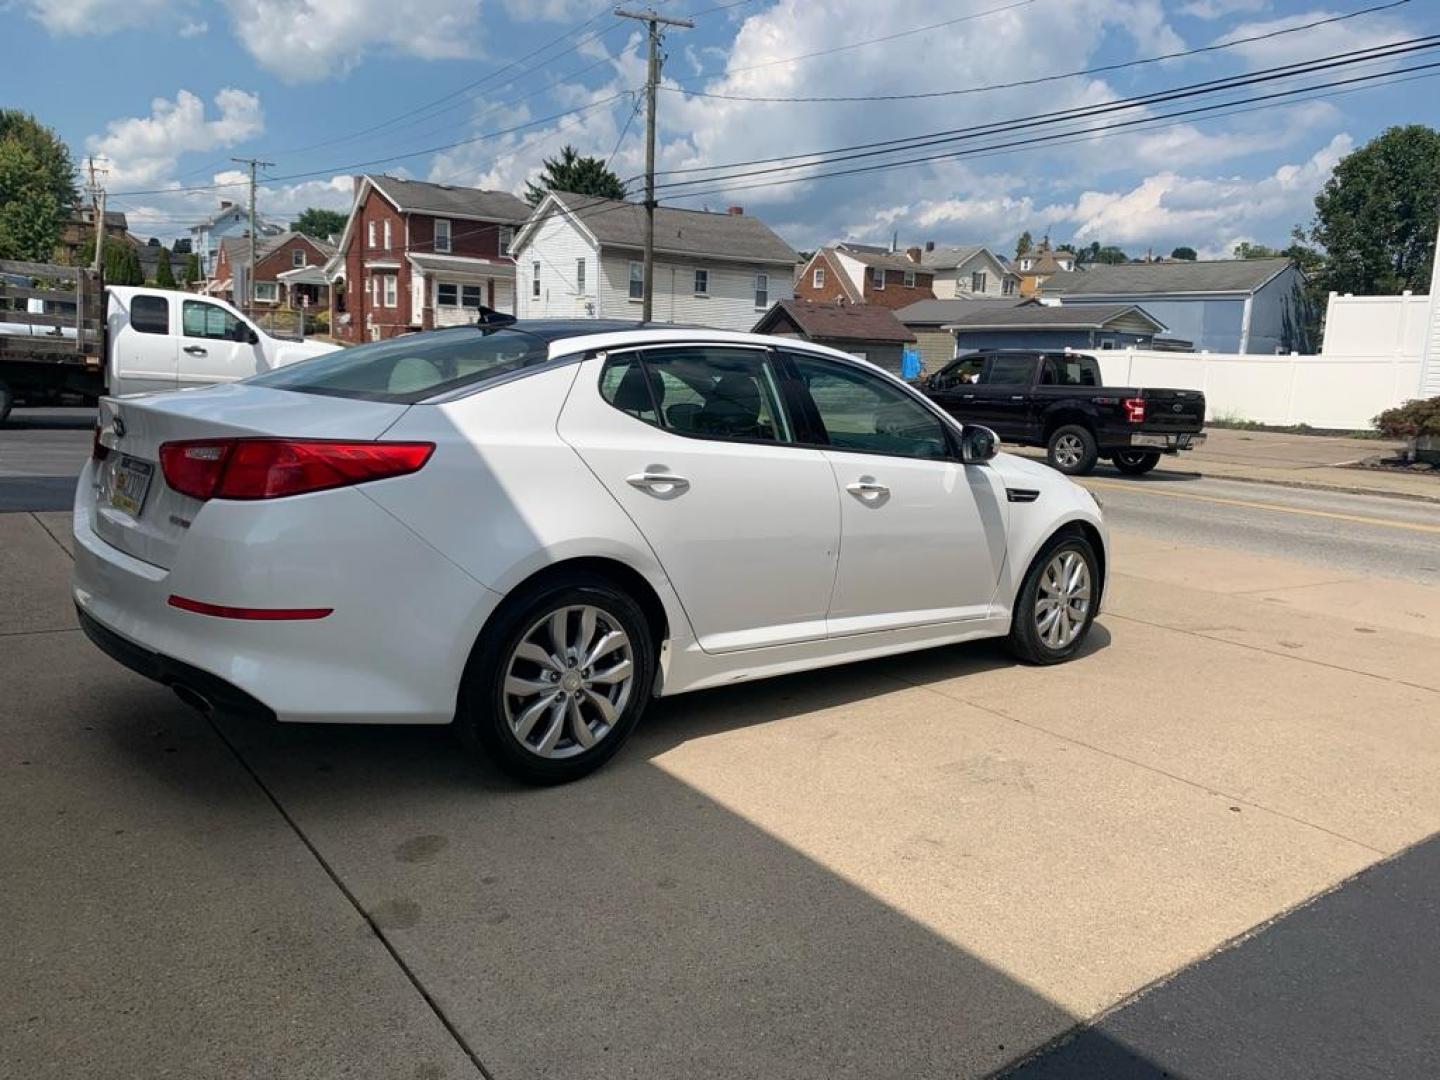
967 397
658 481
1017 397
196 350
865 487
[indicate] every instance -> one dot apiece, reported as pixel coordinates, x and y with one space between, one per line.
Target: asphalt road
41 453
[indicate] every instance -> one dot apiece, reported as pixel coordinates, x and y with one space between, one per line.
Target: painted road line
1359 519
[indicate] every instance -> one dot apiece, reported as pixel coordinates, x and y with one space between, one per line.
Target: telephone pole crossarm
653 20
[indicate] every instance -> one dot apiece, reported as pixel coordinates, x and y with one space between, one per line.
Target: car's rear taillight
1135 410
98 450
275 468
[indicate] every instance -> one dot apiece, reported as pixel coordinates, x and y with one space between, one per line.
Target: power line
1103 69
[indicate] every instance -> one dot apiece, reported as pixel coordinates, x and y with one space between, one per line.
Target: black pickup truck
1058 400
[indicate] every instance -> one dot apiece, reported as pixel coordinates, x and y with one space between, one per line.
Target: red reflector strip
220 611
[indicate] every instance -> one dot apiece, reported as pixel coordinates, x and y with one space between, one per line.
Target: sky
164 93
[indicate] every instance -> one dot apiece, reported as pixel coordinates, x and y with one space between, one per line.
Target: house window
267 292
375 290
370 229
909 279
877 277
442 235
977 281
535 280
297 257
580 276
817 278
1007 287
762 290
1025 264
392 290
507 234
702 282
447 294
470 296
637 281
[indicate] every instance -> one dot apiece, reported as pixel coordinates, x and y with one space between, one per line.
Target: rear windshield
413 367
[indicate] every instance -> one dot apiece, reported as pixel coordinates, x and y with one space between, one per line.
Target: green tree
1246 250
1376 216
121 263
37 187
320 222
571 172
1024 244
1188 254
191 274
164 276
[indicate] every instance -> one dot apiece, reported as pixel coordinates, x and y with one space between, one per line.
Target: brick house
416 255
861 274
276 258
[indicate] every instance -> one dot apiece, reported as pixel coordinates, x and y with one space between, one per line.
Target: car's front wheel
1136 462
1056 603
559 680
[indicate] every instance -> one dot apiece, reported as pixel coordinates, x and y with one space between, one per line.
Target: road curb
1311 485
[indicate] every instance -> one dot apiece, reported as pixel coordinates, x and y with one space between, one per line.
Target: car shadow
44 419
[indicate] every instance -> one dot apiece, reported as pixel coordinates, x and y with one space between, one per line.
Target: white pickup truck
149 339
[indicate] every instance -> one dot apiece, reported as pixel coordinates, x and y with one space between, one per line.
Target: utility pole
97 207
652 80
254 163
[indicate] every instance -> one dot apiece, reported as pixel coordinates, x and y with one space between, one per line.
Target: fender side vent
1021 494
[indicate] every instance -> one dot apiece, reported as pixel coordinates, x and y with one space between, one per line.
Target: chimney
735 211
913 254
929 245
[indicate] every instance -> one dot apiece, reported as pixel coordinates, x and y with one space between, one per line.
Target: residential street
928 866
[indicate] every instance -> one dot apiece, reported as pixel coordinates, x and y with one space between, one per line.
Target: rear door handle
196 350
865 487
660 482
967 397
1017 397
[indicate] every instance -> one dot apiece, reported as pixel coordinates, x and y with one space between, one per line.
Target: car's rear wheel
7 401
1072 450
1136 462
1056 603
559 680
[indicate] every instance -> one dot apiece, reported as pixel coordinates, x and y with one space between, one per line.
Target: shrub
1414 419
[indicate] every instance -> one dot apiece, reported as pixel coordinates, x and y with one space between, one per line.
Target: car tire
1135 462
1072 450
7 402
1032 638
535 734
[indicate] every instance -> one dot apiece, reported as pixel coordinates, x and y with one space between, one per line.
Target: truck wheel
1136 462
1072 450
7 401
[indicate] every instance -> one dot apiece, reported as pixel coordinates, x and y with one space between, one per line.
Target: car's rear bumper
1168 443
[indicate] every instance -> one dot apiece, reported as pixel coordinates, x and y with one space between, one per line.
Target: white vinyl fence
1322 391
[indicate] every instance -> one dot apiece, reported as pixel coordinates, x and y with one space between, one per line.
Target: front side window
702 282
1010 371
864 413
447 294
411 368
637 281
442 235
699 390
201 320
817 279
762 290
962 372
150 315
535 280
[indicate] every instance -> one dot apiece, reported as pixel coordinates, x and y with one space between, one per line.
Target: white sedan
530 530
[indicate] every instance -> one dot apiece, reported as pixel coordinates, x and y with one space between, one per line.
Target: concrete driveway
928 866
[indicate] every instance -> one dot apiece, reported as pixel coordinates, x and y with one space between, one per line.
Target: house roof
261 224
237 248
940 312
420 197
832 322
616 223
1046 262
947 258
1036 316
887 260
1136 279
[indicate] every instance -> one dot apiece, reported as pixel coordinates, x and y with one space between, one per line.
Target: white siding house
967 272
582 257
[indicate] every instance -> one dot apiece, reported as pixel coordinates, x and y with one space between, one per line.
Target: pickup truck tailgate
1173 411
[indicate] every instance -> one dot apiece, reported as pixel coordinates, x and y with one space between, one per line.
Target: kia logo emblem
119 426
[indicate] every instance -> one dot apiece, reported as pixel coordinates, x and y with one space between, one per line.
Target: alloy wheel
1068 451
568 681
1063 600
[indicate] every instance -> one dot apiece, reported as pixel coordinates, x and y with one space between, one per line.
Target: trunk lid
136 511
1166 410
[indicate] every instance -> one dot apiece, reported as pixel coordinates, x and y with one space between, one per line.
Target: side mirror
978 444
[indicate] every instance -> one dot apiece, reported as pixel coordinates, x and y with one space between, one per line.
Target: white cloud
1349 36
308 40
194 28
548 10
1219 9
76 17
143 150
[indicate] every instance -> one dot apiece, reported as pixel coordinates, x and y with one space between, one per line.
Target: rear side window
706 392
1010 371
413 367
1070 371
150 314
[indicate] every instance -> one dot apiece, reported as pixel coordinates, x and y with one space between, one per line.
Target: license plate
1149 440
129 485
